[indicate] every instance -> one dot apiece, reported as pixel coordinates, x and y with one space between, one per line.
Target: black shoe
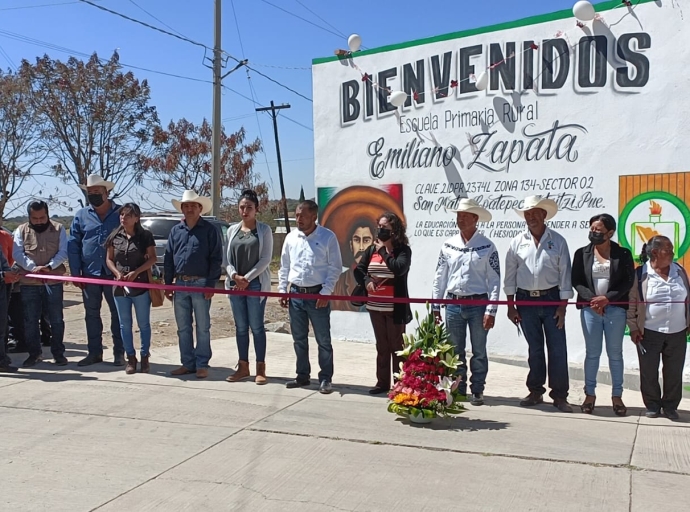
671 414
651 413
325 388
91 359
32 361
562 405
6 367
297 383
378 391
532 399
477 399
60 360
119 360
18 348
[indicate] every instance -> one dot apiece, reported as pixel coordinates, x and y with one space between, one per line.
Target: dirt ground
164 329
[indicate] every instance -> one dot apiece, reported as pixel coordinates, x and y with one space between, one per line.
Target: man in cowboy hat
538 270
193 258
468 269
86 255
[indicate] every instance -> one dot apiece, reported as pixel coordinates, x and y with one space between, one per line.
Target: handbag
157 296
360 292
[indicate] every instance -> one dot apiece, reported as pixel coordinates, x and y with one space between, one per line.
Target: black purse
360 292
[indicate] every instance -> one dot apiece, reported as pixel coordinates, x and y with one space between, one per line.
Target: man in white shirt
538 269
468 269
310 263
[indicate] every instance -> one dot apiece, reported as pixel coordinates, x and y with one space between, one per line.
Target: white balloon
482 81
584 11
354 42
397 98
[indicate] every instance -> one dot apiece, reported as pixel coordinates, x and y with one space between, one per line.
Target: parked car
160 226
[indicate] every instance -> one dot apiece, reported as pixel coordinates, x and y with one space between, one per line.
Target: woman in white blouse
603 273
659 324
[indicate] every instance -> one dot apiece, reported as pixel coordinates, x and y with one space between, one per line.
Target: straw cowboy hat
471 206
94 180
190 196
548 205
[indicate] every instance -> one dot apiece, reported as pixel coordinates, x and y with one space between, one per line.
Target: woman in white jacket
249 252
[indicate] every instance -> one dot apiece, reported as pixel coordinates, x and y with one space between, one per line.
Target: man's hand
321 303
169 294
284 302
42 269
209 295
560 317
636 337
488 322
371 287
513 315
81 286
437 317
11 277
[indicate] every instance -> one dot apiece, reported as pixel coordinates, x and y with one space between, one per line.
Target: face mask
40 228
597 238
96 200
384 234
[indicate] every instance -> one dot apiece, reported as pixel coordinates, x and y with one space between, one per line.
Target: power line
152 27
8 58
36 6
157 19
258 125
239 34
303 19
334 28
280 84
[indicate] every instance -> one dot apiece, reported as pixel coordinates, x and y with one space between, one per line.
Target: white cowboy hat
94 180
548 205
471 206
190 196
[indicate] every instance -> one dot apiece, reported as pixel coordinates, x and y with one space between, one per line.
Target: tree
97 118
301 194
21 147
182 159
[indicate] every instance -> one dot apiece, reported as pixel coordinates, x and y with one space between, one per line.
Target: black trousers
670 349
15 314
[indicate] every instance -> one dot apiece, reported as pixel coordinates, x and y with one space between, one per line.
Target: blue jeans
249 312
92 295
537 323
35 300
301 313
458 318
4 359
191 307
594 328
142 308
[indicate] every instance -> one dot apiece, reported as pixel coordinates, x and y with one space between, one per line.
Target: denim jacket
86 243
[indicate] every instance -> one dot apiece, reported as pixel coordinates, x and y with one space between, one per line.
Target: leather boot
145 368
131 365
242 372
260 373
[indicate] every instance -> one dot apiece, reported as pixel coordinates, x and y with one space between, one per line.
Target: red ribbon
316 296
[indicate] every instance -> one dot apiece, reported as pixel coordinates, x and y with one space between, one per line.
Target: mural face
352 214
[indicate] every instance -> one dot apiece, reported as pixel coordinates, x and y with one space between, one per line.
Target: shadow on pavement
459 424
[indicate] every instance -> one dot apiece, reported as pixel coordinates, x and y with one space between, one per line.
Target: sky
279 37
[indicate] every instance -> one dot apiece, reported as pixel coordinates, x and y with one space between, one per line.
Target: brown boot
131 365
242 372
145 368
260 373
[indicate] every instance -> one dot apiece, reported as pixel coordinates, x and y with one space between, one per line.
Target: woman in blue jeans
131 252
603 273
249 252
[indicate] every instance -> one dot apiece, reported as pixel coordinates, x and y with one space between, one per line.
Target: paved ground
102 440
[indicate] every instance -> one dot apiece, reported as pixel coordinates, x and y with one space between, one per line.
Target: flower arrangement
426 386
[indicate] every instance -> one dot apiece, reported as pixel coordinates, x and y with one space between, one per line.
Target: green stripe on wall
533 20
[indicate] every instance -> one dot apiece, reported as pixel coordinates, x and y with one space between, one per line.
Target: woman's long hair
397 228
127 208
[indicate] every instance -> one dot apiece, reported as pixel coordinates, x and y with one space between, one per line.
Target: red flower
365 77
415 95
453 84
534 46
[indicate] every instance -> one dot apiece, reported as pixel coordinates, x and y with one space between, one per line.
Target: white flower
445 384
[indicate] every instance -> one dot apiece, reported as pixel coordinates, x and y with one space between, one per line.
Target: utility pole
217 65
273 109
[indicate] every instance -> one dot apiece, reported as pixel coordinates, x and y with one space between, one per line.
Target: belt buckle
535 293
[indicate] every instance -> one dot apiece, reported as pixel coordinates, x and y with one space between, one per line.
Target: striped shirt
381 274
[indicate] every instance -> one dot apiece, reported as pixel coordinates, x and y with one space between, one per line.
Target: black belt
537 293
476 296
183 277
307 289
